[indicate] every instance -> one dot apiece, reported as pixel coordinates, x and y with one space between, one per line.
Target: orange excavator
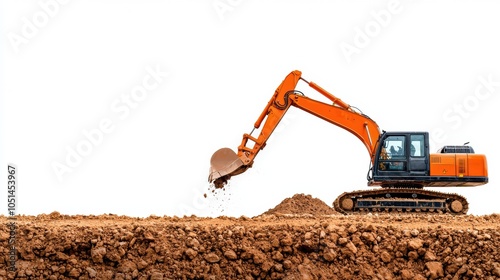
401 165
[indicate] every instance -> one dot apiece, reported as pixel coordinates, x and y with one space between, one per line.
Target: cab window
417 146
394 147
393 154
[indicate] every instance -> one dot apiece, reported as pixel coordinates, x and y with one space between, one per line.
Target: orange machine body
460 166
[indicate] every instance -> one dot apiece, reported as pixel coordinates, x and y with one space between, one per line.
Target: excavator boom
225 163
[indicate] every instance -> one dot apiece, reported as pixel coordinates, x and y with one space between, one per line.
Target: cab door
418 156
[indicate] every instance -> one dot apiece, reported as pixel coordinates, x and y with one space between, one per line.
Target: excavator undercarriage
403 200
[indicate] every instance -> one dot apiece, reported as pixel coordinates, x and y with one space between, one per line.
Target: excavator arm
225 163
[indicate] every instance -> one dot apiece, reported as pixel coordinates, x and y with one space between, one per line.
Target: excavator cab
403 160
402 154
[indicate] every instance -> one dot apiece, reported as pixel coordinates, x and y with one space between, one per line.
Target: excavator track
409 200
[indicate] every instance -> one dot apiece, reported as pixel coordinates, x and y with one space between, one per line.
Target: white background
64 65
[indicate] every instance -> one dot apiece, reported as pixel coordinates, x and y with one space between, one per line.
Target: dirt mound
301 204
58 246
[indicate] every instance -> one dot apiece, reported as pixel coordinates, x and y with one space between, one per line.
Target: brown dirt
301 204
268 246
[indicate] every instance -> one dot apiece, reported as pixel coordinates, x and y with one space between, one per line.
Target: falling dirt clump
218 199
301 204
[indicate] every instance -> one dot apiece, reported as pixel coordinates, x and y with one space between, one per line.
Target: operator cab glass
417 145
403 154
393 154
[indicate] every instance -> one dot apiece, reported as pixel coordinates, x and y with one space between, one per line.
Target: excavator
401 165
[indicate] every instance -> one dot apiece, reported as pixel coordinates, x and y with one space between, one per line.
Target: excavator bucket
223 164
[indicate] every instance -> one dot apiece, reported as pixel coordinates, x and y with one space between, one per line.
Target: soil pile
384 246
301 204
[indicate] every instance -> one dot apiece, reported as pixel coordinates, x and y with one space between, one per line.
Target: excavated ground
301 238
